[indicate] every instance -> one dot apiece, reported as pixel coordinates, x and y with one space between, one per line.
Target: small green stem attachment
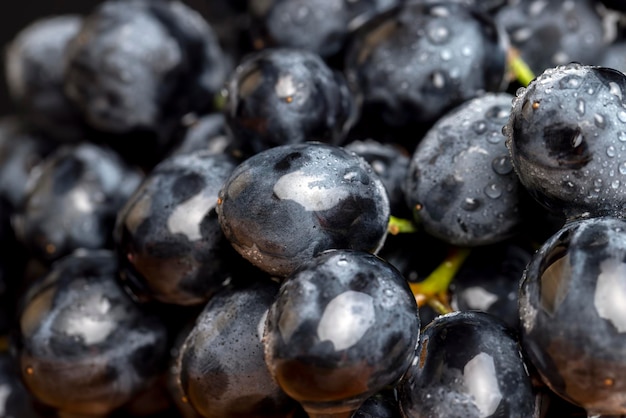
219 100
520 71
433 290
400 226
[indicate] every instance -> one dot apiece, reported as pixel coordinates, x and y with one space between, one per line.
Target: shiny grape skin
551 33
285 96
34 68
567 139
320 26
83 345
489 280
72 200
411 77
283 206
167 235
390 163
170 64
342 328
221 363
20 152
469 365
571 310
461 184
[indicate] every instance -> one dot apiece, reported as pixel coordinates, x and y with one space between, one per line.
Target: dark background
16 15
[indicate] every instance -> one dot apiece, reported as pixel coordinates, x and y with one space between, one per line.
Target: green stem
521 71
432 289
400 226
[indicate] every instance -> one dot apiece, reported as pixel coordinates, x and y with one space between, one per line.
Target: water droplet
536 7
577 139
480 127
438 79
502 165
599 120
494 137
446 55
520 91
622 136
568 187
497 113
438 34
580 107
597 183
615 89
570 82
342 262
494 190
466 51
621 115
615 184
470 204
622 168
388 292
610 151
522 35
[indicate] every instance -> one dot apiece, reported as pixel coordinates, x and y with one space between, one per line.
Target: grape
577 277
72 200
196 201
409 76
286 96
468 365
84 346
565 134
35 74
169 241
453 200
221 362
551 33
284 205
343 327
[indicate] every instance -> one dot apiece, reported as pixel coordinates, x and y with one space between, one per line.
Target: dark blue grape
567 139
461 184
286 96
418 61
320 26
221 363
283 206
469 365
572 313
73 199
343 327
167 234
548 33
35 69
84 347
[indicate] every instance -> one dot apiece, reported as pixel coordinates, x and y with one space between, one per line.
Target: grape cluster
323 209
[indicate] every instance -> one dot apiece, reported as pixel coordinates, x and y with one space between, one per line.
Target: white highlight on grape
285 86
481 383
5 391
294 312
346 319
611 293
81 200
187 216
299 187
95 328
480 298
260 327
